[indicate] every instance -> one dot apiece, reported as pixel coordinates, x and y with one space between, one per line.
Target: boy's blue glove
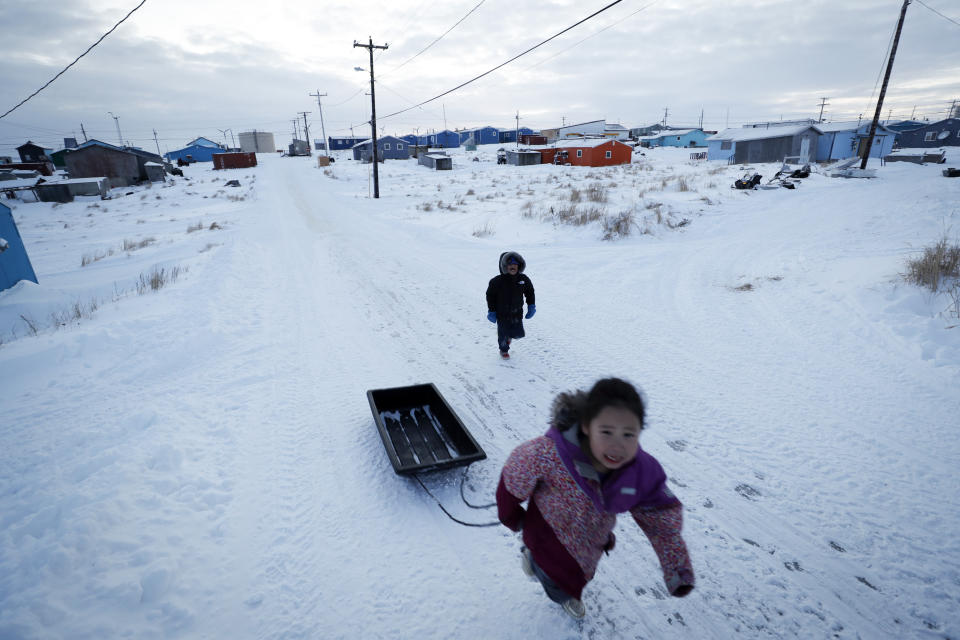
531 309
492 316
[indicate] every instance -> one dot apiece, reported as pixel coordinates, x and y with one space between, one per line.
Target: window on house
399 147
579 153
386 146
929 136
608 154
725 145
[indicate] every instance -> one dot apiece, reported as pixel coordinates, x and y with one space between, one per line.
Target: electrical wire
938 13
503 64
438 39
22 102
612 24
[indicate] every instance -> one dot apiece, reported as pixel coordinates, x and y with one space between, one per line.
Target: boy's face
613 438
513 268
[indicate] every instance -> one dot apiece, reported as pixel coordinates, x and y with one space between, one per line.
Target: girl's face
613 437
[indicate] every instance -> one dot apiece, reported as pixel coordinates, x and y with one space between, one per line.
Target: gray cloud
190 68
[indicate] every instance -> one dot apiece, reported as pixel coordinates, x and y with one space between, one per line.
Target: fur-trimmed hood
505 257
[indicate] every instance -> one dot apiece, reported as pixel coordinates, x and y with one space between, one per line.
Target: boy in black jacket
505 295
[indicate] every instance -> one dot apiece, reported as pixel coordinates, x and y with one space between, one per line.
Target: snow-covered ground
200 460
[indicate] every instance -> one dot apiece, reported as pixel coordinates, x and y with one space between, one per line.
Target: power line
142 2
503 64
939 14
438 39
613 24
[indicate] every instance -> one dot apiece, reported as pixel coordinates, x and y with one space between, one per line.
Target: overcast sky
193 68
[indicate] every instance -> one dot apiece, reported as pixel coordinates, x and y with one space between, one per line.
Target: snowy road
806 427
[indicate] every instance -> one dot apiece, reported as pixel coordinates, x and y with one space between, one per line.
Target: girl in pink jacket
587 468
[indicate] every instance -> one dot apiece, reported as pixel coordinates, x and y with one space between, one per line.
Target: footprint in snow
747 491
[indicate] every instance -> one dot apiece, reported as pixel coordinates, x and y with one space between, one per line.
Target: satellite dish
943 135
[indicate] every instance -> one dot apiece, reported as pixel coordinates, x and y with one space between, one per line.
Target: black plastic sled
420 431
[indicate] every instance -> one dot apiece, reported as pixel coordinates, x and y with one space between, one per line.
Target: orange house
588 152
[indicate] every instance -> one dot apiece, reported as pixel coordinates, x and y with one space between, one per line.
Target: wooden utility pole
883 88
323 130
306 130
518 129
158 143
373 113
823 103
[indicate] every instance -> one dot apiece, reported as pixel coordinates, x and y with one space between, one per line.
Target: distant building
510 135
588 152
388 148
616 131
199 150
583 129
675 138
257 142
30 152
445 139
123 166
769 144
945 133
839 140
648 130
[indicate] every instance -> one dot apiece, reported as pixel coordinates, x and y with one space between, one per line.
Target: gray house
123 166
388 148
436 160
764 144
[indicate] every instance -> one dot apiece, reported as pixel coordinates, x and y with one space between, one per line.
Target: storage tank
257 142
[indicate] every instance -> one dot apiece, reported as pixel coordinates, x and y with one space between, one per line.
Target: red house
587 152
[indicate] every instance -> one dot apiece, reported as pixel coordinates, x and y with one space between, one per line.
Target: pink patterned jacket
571 513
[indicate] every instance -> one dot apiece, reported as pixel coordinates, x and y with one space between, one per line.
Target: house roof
675 132
832 127
202 142
751 133
579 124
585 142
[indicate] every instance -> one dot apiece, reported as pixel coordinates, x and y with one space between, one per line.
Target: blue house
484 135
945 133
388 148
510 135
200 150
446 139
679 138
344 142
841 140
14 262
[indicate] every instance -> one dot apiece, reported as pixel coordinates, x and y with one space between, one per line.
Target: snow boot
505 355
575 608
526 563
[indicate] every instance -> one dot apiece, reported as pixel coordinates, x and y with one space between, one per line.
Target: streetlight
116 121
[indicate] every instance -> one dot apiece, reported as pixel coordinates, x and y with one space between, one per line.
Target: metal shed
434 160
522 157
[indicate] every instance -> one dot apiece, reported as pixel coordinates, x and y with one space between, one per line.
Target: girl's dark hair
610 392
